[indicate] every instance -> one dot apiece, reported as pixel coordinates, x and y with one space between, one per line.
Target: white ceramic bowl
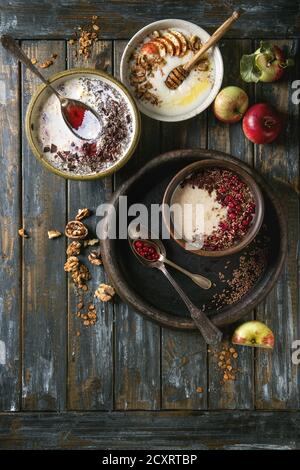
192 29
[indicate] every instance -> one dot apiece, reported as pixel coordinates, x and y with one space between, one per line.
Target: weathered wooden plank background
126 362
220 430
121 19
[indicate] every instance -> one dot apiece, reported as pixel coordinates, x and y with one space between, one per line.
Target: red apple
262 123
230 104
266 64
254 333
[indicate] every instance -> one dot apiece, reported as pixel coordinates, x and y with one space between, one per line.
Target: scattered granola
95 258
85 37
89 317
105 292
76 229
226 362
54 234
22 232
73 249
80 276
46 63
82 213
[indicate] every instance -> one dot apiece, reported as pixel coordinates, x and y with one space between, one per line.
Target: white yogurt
111 105
190 94
198 212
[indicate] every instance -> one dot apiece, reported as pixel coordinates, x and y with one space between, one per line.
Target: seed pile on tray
252 264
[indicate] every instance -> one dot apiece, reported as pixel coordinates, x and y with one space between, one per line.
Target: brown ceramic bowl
244 176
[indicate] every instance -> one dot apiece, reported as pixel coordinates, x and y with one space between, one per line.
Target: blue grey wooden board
121 19
125 362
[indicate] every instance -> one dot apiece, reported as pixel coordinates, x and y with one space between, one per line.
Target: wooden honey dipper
179 74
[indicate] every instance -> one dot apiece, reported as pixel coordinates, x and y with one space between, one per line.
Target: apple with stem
262 123
231 104
255 334
266 64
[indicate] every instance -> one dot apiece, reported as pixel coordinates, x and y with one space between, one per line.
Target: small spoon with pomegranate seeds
180 73
80 118
210 333
143 236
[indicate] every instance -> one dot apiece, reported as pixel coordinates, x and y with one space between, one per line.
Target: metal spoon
198 279
210 333
92 119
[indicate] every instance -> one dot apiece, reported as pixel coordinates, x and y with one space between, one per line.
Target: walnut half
105 292
76 229
74 249
82 213
95 258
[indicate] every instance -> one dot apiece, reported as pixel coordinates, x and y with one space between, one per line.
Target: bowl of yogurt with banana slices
150 56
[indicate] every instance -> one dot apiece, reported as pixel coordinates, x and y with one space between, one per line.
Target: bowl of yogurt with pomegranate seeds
150 56
216 208
66 154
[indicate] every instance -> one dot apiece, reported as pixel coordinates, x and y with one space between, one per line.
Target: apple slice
168 45
161 46
150 48
182 40
255 334
175 42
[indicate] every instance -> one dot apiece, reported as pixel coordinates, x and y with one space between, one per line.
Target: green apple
231 104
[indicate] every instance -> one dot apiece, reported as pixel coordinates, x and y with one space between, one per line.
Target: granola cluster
85 37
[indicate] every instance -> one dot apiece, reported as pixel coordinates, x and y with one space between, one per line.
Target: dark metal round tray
147 291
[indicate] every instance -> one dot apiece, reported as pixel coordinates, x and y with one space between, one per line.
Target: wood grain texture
219 430
10 244
230 138
184 354
120 19
44 281
90 365
277 379
137 341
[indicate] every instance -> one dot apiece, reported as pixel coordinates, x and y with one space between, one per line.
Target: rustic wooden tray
149 292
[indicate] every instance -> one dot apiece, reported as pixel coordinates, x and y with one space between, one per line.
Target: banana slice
175 42
161 46
182 40
168 45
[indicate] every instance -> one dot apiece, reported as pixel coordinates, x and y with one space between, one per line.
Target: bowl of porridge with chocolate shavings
65 154
150 56
217 208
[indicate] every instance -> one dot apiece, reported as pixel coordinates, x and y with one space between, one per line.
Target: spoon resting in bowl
210 333
80 118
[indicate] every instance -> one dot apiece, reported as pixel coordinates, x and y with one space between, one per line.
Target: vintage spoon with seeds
180 73
198 279
210 333
80 118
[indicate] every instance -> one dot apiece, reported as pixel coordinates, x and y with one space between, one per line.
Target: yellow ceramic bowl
41 93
